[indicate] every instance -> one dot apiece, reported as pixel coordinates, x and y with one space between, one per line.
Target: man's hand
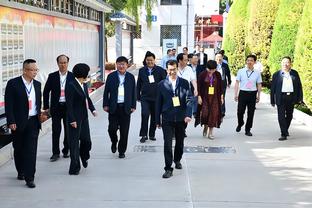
94 113
12 127
43 117
74 124
199 100
187 119
132 110
158 126
106 109
229 85
257 99
236 98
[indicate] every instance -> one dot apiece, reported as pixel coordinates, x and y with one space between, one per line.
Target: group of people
187 87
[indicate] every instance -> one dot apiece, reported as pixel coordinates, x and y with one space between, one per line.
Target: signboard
169 44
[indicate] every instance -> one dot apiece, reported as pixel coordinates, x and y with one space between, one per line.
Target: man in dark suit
23 111
225 72
119 100
173 105
286 91
54 102
78 102
148 78
202 57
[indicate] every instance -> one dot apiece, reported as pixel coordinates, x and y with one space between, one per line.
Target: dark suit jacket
53 85
76 102
146 90
16 102
110 95
205 59
226 74
164 104
277 83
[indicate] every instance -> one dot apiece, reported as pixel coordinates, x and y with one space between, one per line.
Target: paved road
251 172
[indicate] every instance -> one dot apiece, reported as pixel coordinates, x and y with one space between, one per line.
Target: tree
234 40
260 30
303 52
285 32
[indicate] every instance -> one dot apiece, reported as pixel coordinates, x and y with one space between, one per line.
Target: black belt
287 93
248 91
32 117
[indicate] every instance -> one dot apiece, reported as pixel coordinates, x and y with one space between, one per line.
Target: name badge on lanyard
28 96
175 101
62 87
121 90
250 83
151 79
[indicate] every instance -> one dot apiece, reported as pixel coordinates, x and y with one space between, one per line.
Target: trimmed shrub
285 32
259 32
234 40
303 52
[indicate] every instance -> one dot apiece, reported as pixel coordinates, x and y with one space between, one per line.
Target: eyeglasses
32 70
121 64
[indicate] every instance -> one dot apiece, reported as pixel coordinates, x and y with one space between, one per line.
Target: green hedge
259 31
234 40
285 32
303 52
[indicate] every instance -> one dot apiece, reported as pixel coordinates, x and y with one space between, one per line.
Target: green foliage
259 31
285 32
303 52
234 40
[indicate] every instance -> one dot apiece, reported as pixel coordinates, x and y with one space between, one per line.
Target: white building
172 19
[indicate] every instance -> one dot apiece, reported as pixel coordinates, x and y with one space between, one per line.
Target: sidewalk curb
6 153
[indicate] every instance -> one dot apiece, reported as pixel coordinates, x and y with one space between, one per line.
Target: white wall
111 46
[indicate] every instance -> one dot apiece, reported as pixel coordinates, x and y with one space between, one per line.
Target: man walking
148 78
174 107
119 100
286 91
54 101
248 84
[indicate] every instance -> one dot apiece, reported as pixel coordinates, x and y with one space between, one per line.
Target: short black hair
174 49
219 53
180 57
121 59
185 48
57 58
28 61
81 70
171 63
211 64
149 54
287 57
169 50
222 52
190 55
252 56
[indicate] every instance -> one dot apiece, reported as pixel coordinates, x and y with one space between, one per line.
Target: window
170 2
170 32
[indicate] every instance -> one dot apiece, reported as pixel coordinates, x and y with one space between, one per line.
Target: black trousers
246 99
57 128
25 148
285 113
119 120
148 110
79 144
223 105
170 128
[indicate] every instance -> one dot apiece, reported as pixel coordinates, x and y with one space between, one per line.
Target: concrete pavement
257 172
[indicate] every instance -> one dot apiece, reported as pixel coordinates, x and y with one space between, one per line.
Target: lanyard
123 81
248 76
181 73
211 80
28 91
62 81
150 71
176 85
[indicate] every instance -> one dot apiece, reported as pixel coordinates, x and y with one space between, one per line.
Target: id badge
62 93
151 79
121 91
249 84
29 104
210 90
175 101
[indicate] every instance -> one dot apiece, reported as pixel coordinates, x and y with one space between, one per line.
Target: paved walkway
255 172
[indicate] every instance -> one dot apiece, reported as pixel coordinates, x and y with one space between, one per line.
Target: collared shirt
62 84
165 59
187 74
287 82
194 67
201 58
121 88
173 83
248 79
150 70
31 94
219 69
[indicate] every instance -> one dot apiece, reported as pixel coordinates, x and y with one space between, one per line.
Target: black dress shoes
30 184
238 128
20 177
54 158
122 155
282 138
178 165
113 148
248 133
152 138
73 172
84 163
66 155
143 139
167 174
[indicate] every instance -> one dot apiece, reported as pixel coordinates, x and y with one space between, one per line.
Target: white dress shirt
31 94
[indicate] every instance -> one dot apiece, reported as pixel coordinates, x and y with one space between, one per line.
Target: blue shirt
248 79
165 59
